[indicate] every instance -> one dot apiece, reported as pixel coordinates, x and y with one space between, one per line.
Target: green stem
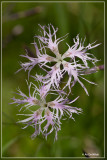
93 70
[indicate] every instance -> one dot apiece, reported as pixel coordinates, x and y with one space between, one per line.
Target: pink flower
79 58
46 118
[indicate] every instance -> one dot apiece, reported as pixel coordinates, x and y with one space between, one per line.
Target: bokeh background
19 26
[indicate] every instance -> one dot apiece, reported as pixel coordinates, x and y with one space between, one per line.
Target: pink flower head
46 118
79 58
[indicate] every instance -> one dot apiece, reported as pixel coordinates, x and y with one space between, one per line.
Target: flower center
59 57
43 104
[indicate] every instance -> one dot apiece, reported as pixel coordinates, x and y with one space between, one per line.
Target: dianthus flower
46 115
78 54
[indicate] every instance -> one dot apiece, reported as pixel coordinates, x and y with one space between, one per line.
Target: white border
1 75
104 79
54 1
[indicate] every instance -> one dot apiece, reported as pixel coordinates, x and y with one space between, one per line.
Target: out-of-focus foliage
86 133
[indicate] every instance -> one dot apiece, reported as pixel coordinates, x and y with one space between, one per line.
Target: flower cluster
46 115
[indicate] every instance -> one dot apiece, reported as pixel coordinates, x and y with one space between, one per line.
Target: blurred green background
19 26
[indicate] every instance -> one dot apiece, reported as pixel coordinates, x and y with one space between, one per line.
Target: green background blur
86 133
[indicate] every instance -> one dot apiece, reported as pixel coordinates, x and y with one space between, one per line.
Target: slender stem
23 14
93 70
